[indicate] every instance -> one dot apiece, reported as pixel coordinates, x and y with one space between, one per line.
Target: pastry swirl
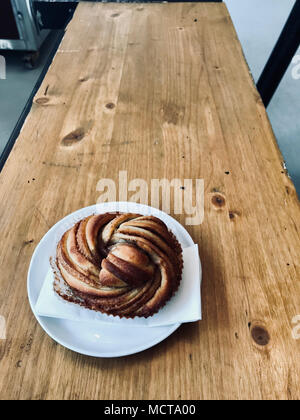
120 264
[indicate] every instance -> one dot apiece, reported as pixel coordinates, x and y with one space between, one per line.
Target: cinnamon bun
120 264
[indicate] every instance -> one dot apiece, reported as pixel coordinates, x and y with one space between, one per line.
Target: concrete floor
15 90
258 24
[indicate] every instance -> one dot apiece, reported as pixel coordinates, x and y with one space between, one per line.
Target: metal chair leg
281 56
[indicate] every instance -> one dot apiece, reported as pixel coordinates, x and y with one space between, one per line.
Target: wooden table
161 91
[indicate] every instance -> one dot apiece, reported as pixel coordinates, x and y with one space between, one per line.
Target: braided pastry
120 264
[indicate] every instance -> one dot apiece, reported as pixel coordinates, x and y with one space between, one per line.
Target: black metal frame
55 15
281 56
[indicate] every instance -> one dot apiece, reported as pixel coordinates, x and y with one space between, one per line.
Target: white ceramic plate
98 340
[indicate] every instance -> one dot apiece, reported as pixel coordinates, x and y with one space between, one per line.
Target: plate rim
172 328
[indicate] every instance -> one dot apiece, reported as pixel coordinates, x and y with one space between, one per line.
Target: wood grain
161 91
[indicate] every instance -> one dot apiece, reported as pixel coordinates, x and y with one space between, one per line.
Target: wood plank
183 106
